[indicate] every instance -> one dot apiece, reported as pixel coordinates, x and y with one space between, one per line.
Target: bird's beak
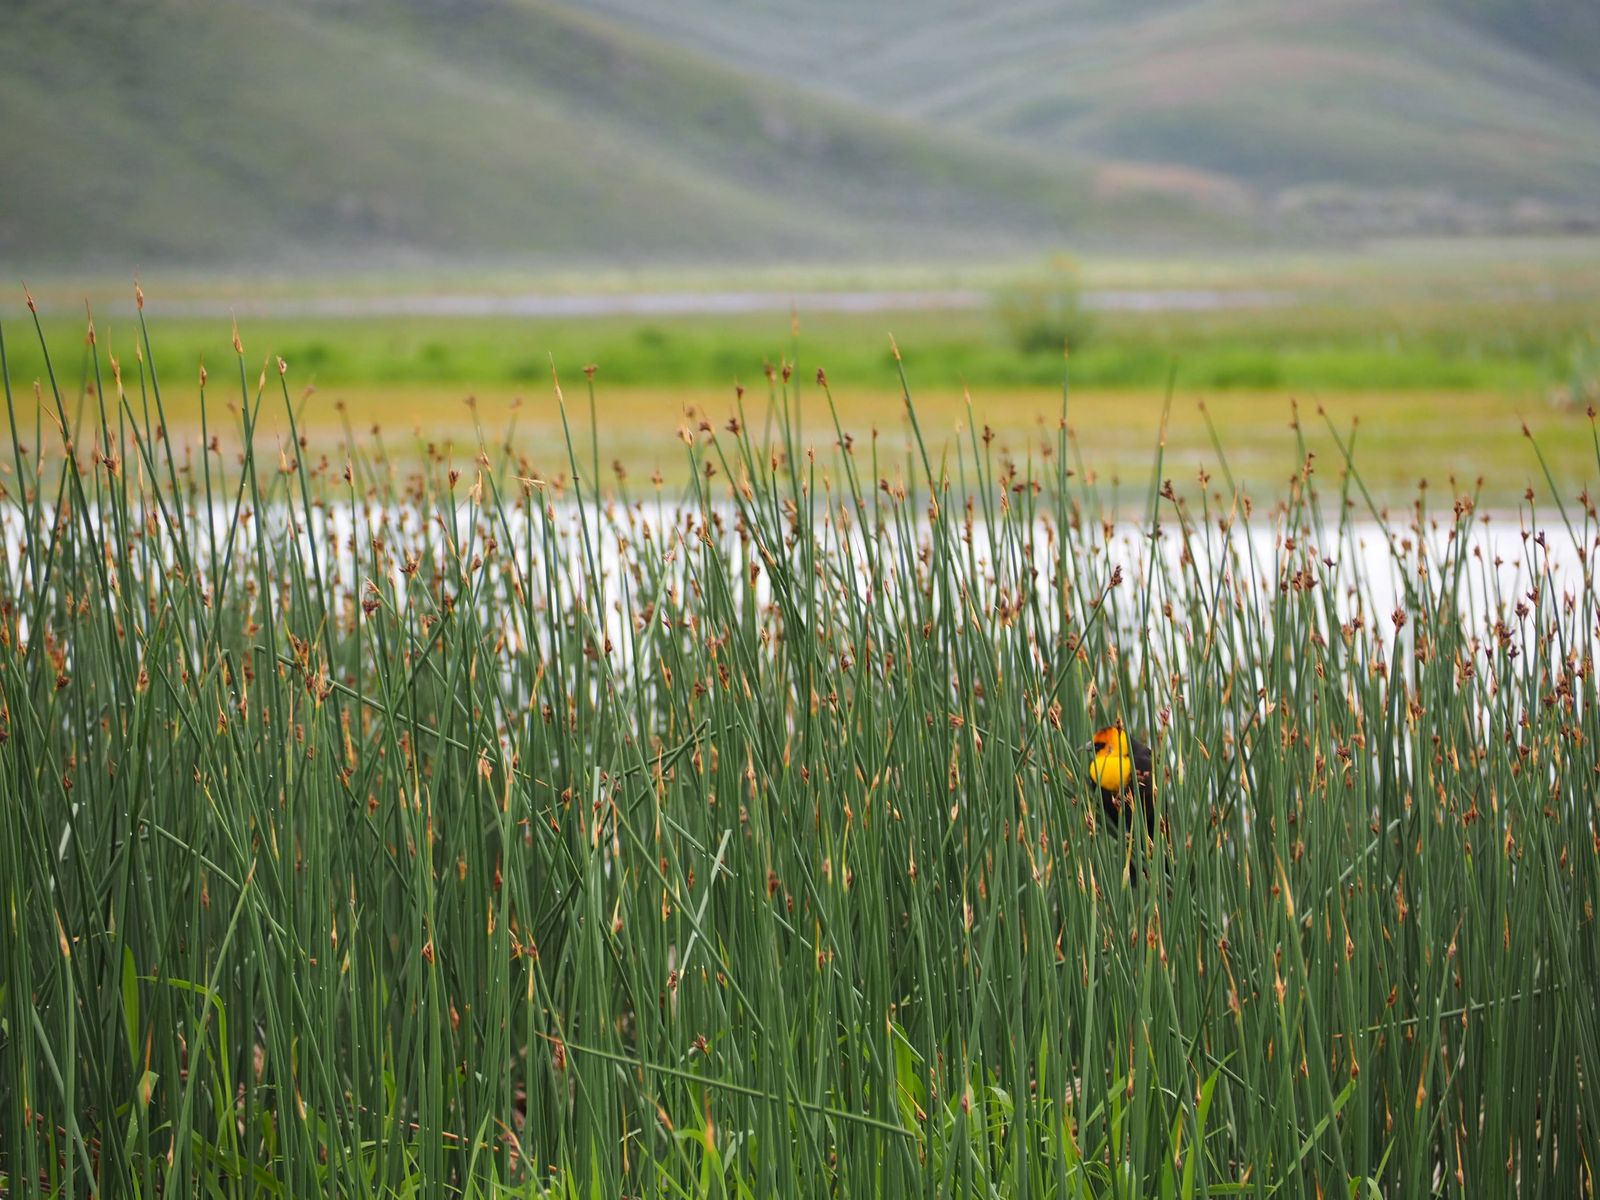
1087 748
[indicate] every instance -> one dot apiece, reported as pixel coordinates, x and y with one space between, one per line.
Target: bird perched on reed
1121 770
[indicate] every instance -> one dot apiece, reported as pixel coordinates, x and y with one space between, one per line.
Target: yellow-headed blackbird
1121 770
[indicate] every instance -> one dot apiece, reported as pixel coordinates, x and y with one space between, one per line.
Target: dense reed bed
407 822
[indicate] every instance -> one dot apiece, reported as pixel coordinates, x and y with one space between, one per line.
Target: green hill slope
183 130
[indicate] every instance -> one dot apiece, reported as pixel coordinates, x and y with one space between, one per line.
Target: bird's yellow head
1112 768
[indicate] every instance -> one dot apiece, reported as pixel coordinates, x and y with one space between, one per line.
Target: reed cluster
410 821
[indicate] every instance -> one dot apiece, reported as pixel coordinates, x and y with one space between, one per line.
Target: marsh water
712 303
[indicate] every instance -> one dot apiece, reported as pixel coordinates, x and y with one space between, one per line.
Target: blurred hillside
1567 32
1354 115
211 132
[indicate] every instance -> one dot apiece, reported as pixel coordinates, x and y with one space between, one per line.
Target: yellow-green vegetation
1516 351
383 822
1441 355
1450 439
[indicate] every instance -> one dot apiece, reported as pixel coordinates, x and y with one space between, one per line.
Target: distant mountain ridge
1385 114
1563 32
626 132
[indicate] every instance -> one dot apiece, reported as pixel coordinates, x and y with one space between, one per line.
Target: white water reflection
1483 572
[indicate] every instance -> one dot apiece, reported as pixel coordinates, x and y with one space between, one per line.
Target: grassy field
1442 346
392 824
1441 356
1470 436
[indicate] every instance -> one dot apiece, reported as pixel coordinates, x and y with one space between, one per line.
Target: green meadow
1518 351
1439 357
